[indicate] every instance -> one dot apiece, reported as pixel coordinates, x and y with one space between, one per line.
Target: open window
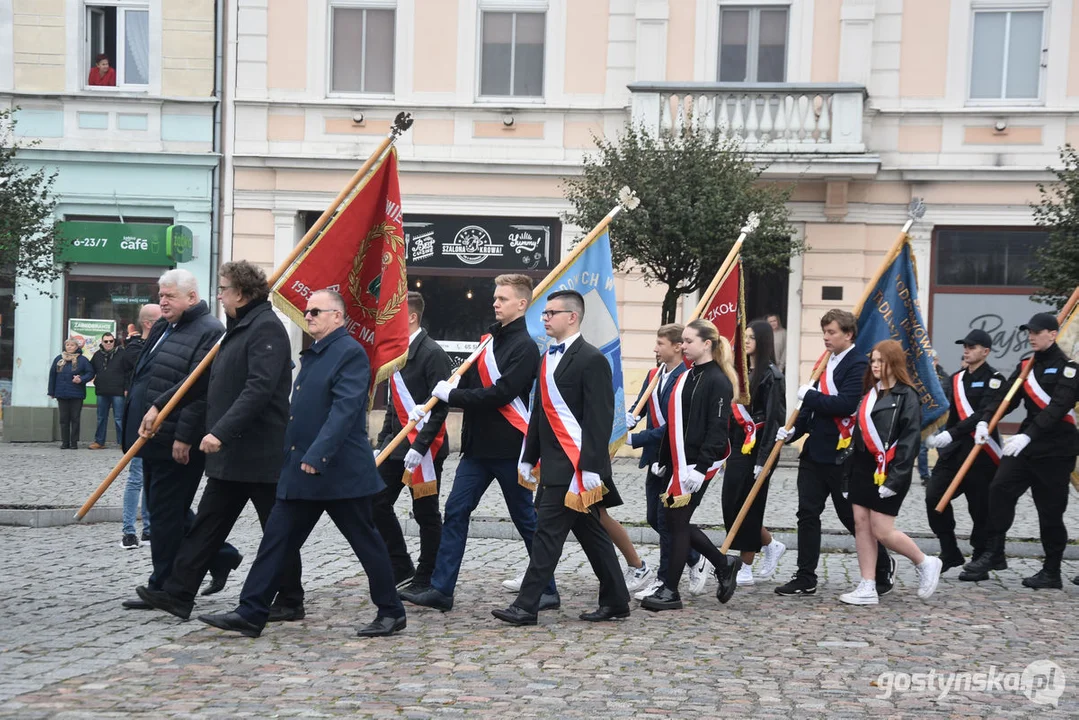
118 46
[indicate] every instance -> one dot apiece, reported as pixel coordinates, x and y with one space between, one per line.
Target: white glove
590 480
442 389
845 495
783 433
757 471
377 451
629 439
803 390
981 433
524 470
412 460
631 420
885 493
658 470
417 415
941 439
1016 445
693 481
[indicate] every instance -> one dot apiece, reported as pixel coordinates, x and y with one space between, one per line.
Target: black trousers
1047 480
686 535
221 504
554 522
816 483
428 517
287 528
70 420
170 487
975 487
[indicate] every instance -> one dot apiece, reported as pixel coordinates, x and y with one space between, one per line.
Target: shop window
1007 57
511 54
118 46
362 42
979 257
752 44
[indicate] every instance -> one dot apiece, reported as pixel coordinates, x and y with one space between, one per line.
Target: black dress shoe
161 600
233 622
1044 580
218 578
428 597
604 613
550 601
1075 580
515 616
382 626
662 599
136 604
285 613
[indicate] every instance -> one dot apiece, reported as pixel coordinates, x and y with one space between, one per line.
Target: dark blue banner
892 312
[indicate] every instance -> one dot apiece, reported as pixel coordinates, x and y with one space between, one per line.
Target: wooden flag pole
402 123
1001 410
915 211
627 200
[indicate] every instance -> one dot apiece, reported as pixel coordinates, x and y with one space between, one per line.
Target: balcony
771 118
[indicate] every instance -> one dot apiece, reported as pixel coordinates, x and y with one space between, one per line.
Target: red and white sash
516 413
965 410
873 442
743 417
422 479
655 410
1041 398
844 424
676 439
567 429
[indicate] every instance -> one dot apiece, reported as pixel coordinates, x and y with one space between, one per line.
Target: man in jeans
109 371
148 315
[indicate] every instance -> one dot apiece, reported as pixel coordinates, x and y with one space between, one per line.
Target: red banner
361 254
727 311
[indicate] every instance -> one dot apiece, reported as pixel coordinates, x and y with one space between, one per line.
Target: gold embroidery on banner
381 232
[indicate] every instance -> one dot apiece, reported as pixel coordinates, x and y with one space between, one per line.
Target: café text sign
125 243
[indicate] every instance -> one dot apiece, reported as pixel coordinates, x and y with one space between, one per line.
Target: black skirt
737 481
863 491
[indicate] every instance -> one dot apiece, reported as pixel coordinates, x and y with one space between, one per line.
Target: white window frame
119 63
508 6
1008 6
362 5
753 48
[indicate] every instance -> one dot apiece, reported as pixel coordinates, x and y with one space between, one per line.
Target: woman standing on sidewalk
68 375
886 440
751 428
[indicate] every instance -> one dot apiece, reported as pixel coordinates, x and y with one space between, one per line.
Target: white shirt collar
413 335
836 359
570 340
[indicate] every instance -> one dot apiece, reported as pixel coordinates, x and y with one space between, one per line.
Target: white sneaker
637 578
864 594
698 576
772 552
928 576
745 575
514 585
648 591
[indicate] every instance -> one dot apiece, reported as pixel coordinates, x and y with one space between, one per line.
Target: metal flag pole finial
915 211
401 123
628 199
752 223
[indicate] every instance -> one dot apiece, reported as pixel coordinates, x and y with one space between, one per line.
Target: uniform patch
1051 371
1069 372
977 384
994 383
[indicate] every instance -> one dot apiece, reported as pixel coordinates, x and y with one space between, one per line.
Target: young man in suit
567 436
828 417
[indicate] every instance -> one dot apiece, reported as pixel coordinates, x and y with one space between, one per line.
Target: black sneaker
798 585
130 542
886 583
145 536
1044 580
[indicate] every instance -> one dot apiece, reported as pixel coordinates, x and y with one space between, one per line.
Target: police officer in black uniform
1041 457
972 390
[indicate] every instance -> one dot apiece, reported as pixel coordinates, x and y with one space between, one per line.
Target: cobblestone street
68 650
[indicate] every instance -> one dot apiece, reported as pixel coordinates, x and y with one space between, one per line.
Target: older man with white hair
172 462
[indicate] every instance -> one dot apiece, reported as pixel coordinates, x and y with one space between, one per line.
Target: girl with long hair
693 450
886 440
751 429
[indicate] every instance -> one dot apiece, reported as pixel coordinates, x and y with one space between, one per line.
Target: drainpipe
215 200
228 124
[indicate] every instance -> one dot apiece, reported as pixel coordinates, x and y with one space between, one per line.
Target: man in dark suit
410 388
576 398
828 417
328 468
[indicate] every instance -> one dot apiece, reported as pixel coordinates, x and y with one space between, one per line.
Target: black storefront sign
484 243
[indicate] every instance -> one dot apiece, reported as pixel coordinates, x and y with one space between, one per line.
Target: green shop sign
125 243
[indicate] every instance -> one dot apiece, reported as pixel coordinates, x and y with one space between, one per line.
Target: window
511 56
362 39
1006 62
982 257
118 46
752 45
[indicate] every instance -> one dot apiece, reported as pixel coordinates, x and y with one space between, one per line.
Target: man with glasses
108 364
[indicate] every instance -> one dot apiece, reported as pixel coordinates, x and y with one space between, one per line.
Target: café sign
125 243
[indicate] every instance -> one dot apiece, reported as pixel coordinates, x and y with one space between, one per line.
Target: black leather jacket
897 416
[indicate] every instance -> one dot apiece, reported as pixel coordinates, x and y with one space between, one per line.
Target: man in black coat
567 437
246 392
108 364
172 462
328 468
828 417
410 388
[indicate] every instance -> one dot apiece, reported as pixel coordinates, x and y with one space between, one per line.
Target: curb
57 516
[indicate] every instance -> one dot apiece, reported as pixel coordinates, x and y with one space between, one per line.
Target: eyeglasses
548 314
107 342
222 288
313 312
